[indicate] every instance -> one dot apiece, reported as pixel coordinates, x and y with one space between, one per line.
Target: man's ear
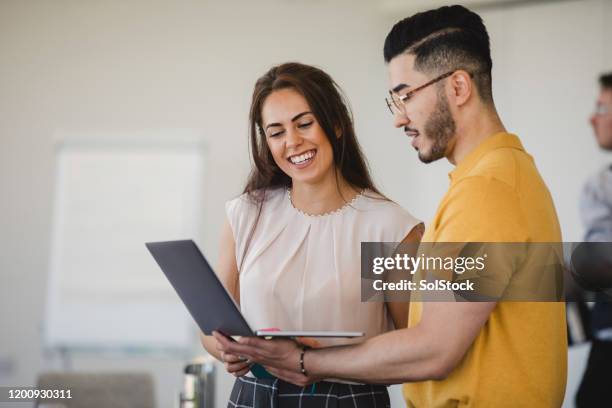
462 87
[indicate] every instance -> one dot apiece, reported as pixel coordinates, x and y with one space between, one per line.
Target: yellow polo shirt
519 357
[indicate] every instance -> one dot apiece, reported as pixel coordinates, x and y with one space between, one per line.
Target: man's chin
605 144
425 157
429 157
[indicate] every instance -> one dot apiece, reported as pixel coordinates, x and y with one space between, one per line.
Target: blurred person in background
290 248
593 267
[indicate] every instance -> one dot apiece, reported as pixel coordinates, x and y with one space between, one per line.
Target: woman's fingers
236 364
307 341
237 367
224 344
242 373
232 368
232 358
290 376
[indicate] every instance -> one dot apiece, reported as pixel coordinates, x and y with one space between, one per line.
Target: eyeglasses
601 109
398 102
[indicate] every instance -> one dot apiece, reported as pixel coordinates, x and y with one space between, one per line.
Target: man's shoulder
596 201
478 192
601 181
502 165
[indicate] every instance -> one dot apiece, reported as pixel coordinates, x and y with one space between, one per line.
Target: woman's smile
302 160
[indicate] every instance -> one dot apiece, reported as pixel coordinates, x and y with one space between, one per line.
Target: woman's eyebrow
296 117
272 125
299 115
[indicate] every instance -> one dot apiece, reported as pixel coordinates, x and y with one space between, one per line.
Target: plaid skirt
251 392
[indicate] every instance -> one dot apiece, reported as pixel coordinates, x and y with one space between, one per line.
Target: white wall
113 66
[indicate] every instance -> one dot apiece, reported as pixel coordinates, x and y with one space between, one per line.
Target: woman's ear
338 132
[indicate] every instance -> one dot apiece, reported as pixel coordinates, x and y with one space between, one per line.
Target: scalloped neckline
328 213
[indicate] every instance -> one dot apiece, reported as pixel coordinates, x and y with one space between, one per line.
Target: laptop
205 297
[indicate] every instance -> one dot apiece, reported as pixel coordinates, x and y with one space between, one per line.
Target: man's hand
280 357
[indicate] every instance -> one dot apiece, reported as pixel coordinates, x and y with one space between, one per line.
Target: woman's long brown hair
331 110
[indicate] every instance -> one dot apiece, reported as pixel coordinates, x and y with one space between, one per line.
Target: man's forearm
395 357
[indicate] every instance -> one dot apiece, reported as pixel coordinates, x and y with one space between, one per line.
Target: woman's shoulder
377 201
254 208
385 209
251 201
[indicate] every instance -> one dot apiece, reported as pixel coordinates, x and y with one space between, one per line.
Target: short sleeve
475 199
479 198
403 222
387 221
241 214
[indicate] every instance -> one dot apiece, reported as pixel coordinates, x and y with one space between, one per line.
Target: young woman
291 244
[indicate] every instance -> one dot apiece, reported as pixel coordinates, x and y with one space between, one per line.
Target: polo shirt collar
497 141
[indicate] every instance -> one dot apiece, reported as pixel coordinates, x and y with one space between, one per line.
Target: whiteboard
105 290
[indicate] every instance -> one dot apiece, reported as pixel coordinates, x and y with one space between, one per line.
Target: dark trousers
274 393
596 386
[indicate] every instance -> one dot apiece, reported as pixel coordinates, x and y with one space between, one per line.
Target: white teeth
302 157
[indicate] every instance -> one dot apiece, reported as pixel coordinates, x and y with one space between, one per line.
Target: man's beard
440 129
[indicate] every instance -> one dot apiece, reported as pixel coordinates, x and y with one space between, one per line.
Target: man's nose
593 119
400 119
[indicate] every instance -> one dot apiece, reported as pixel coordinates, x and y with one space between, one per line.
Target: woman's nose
293 138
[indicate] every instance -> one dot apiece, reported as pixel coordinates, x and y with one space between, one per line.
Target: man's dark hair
442 40
605 80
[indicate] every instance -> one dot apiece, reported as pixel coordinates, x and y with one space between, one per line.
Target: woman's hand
234 364
308 341
280 357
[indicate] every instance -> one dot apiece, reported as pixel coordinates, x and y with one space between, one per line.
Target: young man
596 209
482 354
